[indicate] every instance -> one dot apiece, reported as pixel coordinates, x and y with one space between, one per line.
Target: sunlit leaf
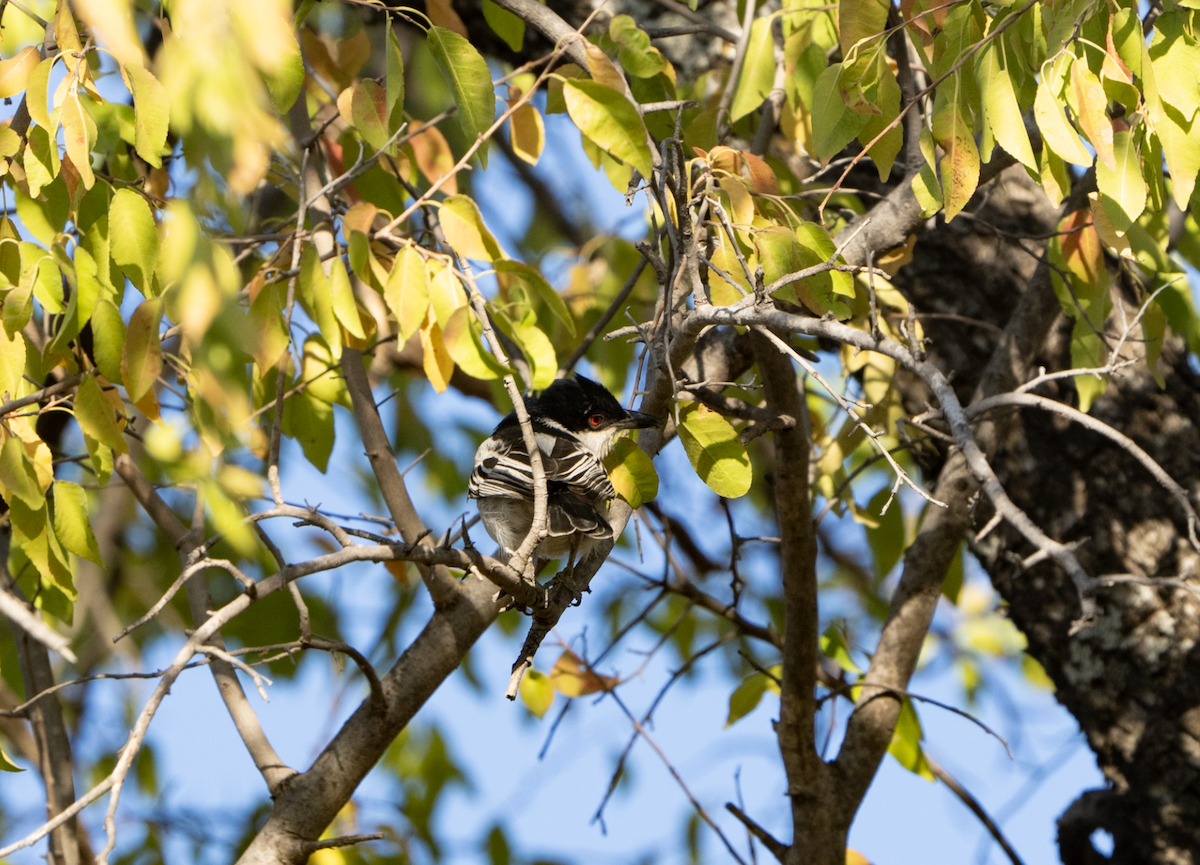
610 120
467 73
758 70
108 338
133 238
96 416
1122 189
407 291
437 361
572 679
1093 116
15 72
715 452
341 293
537 692
746 697
141 361
527 133
72 523
631 472
151 114
906 742
462 340
519 273
465 231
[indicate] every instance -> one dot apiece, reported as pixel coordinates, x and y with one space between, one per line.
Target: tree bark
1131 678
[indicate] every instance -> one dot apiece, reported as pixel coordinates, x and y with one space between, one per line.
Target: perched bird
575 422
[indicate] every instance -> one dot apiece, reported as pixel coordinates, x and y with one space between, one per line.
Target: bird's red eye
595 420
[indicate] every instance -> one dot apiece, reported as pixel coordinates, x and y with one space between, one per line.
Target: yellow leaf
345 308
77 136
537 692
439 366
15 72
465 231
1089 95
527 133
407 291
571 678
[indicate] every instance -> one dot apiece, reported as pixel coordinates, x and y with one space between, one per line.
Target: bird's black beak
638 420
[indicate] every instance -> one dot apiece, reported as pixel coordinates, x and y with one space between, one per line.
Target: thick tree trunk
1130 679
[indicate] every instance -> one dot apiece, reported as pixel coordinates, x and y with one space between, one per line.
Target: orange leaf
1093 116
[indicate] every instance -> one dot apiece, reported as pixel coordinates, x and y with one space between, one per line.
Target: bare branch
35 627
442 587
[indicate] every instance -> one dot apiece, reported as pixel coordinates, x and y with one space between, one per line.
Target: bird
575 422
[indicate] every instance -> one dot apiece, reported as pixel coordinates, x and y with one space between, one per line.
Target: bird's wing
569 512
502 469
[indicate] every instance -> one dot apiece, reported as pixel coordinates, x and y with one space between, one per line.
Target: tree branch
442 587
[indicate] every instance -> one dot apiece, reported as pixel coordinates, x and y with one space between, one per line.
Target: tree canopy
911 284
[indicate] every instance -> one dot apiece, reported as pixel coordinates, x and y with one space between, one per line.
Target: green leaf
952 583
959 168
833 124
6 763
17 475
758 70
631 472
316 298
229 519
394 82
41 161
1087 352
364 106
925 185
96 416
345 308
886 538
887 98
86 292
72 523
1122 188
309 421
539 354
833 646
610 120
638 57
101 459
461 337
108 339
716 452
152 113
407 292
467 73
537 691
286 79
1000 105
141 361
906 742
445 294
465 231
746 697
133 239
508 26
860 19
534 283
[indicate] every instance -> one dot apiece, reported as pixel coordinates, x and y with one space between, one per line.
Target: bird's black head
582 405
